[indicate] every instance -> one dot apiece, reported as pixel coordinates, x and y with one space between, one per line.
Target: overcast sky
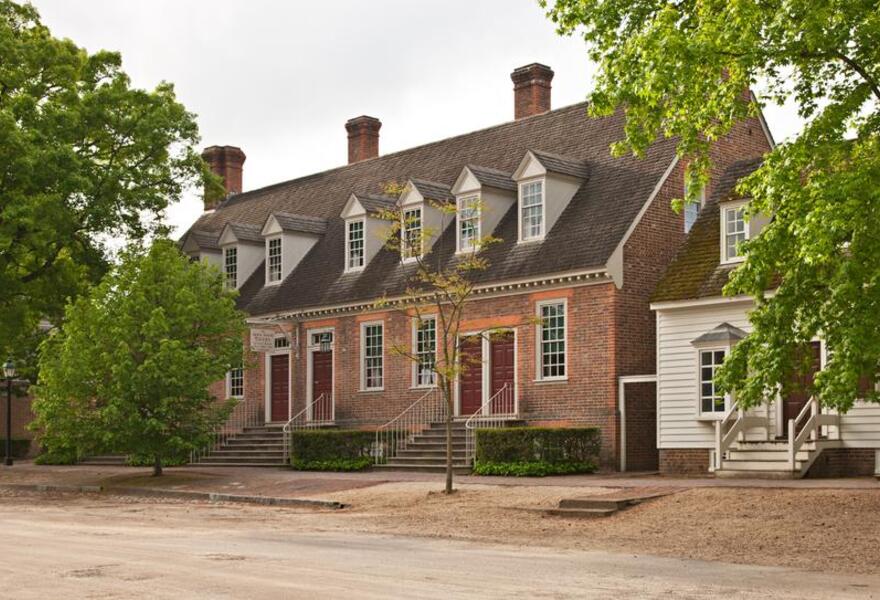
280 78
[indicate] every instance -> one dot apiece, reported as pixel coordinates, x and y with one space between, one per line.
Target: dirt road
106 547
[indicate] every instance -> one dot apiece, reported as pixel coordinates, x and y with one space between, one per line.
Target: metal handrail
394 435
301 421
506 397
244 414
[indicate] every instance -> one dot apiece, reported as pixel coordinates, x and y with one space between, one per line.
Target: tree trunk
449 411
157 466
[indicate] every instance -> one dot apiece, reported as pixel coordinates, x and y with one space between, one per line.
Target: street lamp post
9 374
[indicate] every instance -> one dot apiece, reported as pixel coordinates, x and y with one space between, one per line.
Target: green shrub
536 451
20 448
57 456
331 450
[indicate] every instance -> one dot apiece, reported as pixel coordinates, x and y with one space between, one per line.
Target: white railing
497 411
396 434
731 427
244 414
811 429
305 419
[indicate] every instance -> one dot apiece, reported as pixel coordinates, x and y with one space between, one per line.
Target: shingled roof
493 178
300 223
584 236
432 190
555 163
696 271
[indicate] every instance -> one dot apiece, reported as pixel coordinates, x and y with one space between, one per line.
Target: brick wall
22 415
684 461
844 462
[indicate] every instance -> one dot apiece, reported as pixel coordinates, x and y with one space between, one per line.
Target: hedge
20 448
331 450
536 451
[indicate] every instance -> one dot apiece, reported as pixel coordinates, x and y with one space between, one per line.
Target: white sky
280 78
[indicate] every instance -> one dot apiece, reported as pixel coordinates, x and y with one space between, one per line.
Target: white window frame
539 352
725 208
520 208
404 230
269 241
710 415
229 393
364 326
226 279
348 224
416 322
477 218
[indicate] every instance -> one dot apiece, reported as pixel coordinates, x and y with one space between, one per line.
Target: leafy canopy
682 68
83 156
129 371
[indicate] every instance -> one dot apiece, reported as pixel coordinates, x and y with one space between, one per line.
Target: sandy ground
103 546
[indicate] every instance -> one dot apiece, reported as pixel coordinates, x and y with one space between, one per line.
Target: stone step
759 465
436 436
432 445
426 460
593 504
256 439
581 513
730 473
437 454
261 447
231 463
224 452
215 458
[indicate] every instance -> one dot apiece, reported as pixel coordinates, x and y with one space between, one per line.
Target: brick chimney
363 138
531 90
227 162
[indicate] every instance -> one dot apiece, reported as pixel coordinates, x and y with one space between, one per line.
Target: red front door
471 378
502 367
280 390
800 388
322 386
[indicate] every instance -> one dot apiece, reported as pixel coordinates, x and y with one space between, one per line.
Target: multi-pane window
552 334
468 223
426 351
236 383
411 233
230 266
734 231
274 260
711 400
354 245
532 207
282 342
372 356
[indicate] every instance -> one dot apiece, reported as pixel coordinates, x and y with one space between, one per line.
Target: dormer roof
554 163
370 204
199 240
431 190
494 178
241 233
291 223
725 334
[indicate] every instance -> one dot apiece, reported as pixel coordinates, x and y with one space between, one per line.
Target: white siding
678 425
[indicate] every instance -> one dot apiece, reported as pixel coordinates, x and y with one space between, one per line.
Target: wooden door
800 387
322 384
280 387
470 386
501 358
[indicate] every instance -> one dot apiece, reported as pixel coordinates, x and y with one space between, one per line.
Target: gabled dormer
423 218
203 245
546 184
482 197
365 230
288 238
737 227
243 251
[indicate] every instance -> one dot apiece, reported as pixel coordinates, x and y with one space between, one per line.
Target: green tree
681 69
129 370
84 156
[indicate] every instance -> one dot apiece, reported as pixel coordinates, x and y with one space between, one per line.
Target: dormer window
734 232
692 209
411 234
354 244
468 215
230 266
531 201
273 260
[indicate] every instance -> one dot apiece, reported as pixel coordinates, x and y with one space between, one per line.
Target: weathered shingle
205 240
432 190
564 165
493 178
583 237
696 271
300 223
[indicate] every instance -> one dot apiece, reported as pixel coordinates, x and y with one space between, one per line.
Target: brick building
585 237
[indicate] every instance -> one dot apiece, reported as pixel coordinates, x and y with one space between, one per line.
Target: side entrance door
322 384
800 387
501 359
470 384
280 390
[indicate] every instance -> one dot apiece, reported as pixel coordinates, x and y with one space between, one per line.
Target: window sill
709 417
423 387
371 390
548 380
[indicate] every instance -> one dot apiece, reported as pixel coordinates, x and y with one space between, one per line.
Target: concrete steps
257 446
426 452
605 505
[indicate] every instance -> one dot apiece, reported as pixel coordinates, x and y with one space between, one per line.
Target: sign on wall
262 340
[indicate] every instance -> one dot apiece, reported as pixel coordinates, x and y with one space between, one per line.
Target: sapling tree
129 370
